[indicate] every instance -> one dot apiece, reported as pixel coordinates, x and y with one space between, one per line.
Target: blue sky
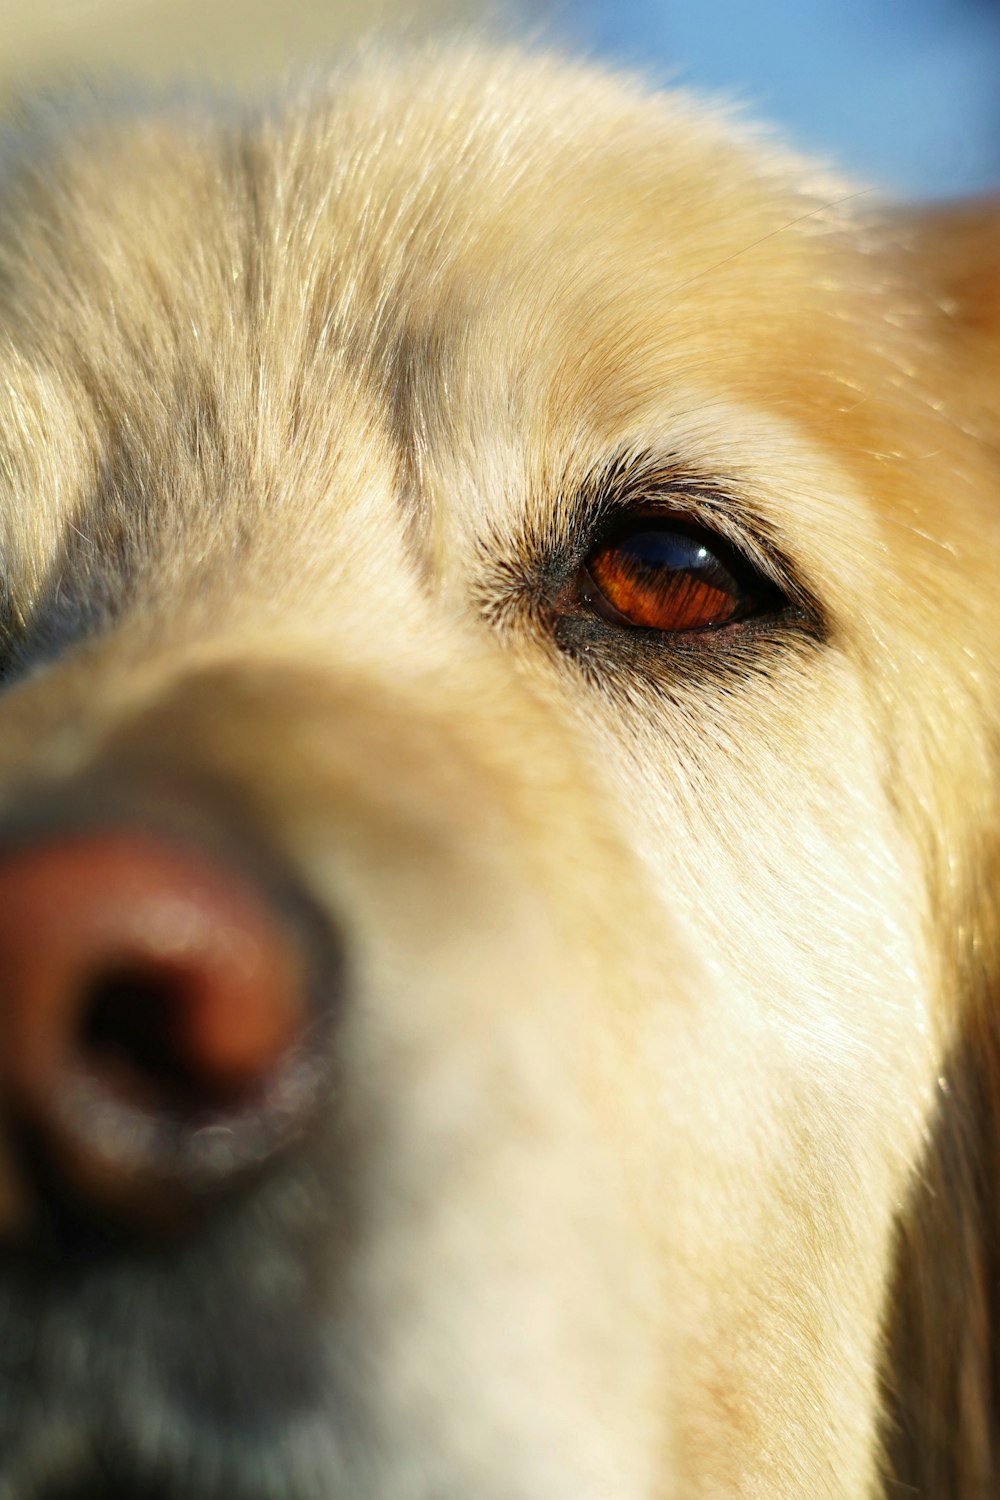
905 94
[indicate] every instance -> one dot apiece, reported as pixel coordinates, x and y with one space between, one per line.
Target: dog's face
558 540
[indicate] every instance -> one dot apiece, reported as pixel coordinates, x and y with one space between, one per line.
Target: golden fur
669 1049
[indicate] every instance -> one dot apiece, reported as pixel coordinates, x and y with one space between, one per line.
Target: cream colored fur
655 972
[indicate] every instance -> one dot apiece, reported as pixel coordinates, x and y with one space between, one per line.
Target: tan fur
666 982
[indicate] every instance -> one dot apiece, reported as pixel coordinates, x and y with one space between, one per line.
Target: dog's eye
659 573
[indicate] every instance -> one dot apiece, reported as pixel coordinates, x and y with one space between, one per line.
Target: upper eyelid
634 485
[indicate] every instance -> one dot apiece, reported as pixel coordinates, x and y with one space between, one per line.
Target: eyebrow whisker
813 213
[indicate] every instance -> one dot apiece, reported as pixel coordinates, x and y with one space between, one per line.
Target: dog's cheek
796 892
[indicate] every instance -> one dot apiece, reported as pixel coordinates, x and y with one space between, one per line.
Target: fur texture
662 1155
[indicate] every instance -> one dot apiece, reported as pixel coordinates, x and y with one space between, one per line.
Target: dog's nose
154 1020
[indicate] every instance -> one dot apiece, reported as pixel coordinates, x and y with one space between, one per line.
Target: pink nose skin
152 1009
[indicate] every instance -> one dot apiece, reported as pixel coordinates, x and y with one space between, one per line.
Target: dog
498 803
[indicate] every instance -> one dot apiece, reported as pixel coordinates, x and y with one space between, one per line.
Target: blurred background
903 94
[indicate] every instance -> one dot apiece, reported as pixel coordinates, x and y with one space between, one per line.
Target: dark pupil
665 552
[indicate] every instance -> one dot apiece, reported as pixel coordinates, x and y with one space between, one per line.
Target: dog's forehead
306 315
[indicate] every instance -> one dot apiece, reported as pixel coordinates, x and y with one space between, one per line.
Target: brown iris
662 575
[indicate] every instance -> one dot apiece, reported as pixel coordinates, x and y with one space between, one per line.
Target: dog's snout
155 1018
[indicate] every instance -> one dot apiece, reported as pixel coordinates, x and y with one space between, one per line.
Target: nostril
127 1026
134 1034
